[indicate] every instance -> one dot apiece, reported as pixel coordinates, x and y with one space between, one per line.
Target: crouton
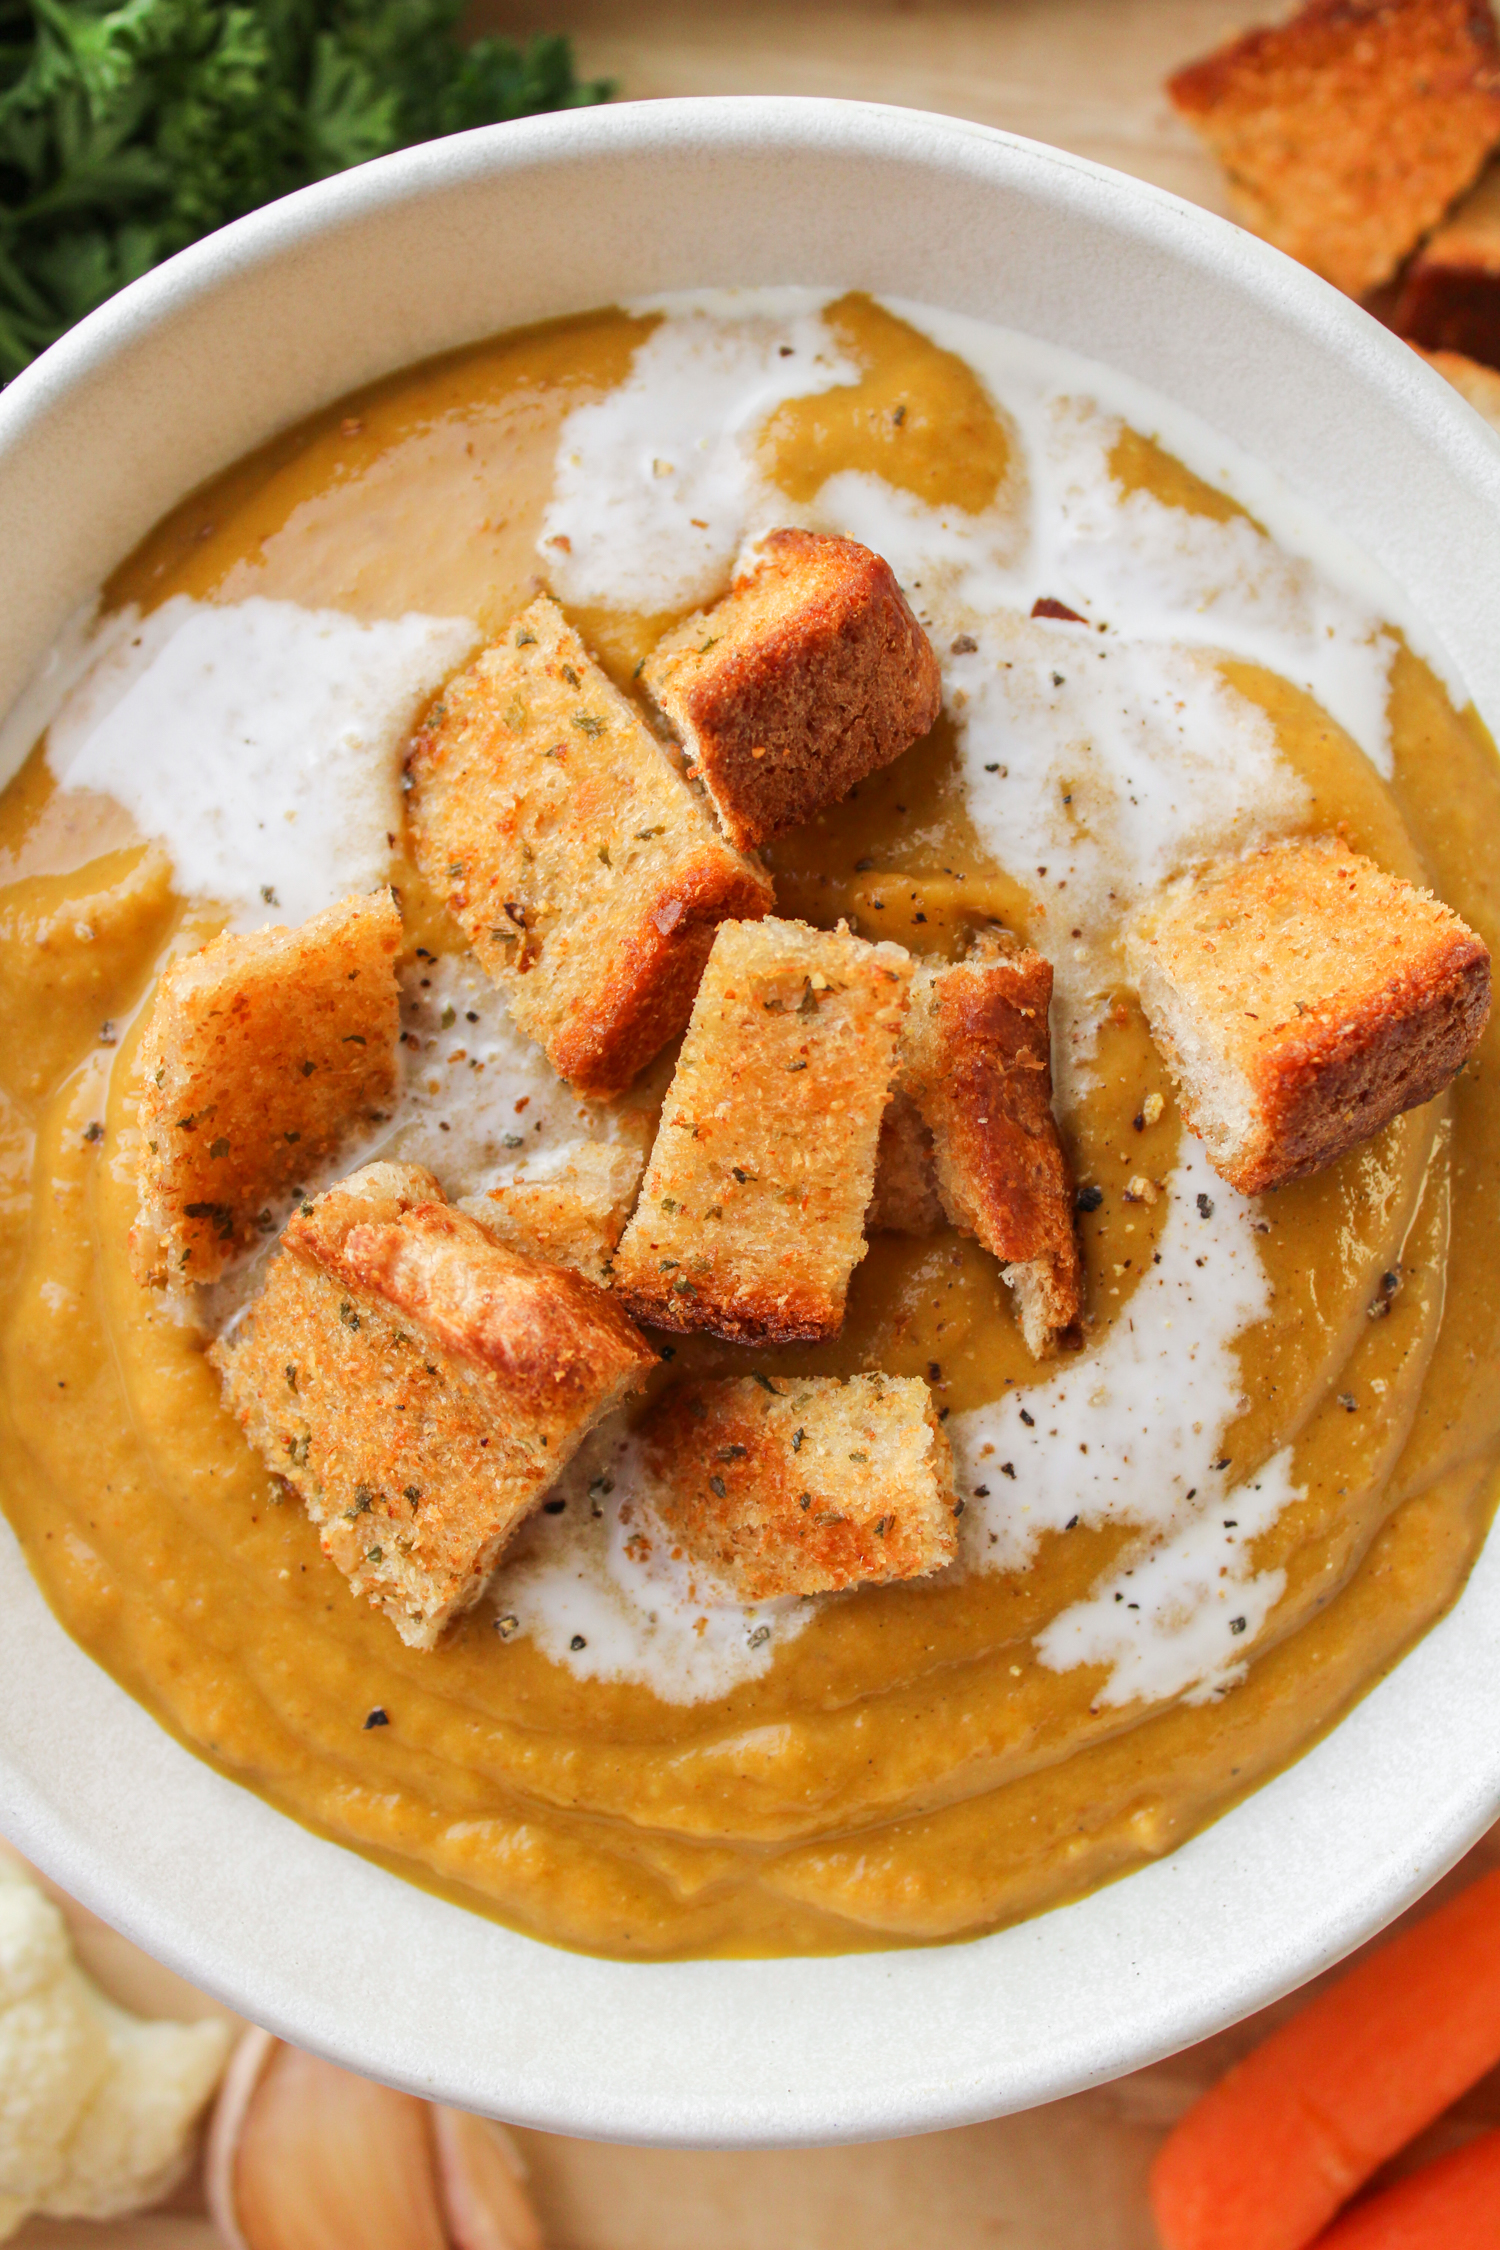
1302 998
587 875
976 1062
419 1386
1479 385
571 1217
751 1217
1450 295
262 1055
810 674
1346 132
906 1199
803 1485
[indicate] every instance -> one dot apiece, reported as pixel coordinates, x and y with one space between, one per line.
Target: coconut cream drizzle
656 482
1135 1433
594 1581
261 742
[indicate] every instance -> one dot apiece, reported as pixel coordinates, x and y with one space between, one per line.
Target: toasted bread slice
262 1055
1303 998
1479 385
804 1485
419 1386
751 1218
976 1060
572 1217
1346 132
587 875
906 1198
1450 294
811 673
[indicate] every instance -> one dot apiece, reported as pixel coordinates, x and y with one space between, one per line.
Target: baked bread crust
751 1216
906 1198
976 1060
419 1386
586 874
571 1217
810 674
262 1054
1346 132
1450 293
1302 998
804 1485
1479 385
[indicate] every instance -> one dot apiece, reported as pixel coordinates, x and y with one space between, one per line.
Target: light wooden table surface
1085 74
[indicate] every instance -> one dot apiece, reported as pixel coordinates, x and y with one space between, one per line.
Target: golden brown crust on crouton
810 674
420 1387
1479 385
572 1217
1347 131
1303 998
804 1485
977 1062
588 876
263 1053
1450 294
906 1199
750 1220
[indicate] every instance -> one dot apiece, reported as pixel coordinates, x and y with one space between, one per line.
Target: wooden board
1085 74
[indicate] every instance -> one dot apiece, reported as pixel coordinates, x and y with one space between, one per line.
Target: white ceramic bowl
269 320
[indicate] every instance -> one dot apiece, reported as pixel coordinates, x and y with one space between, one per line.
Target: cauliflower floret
34 1948
54 2053
133 2142
97 2107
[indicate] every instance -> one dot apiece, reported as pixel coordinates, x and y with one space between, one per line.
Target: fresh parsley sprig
128 128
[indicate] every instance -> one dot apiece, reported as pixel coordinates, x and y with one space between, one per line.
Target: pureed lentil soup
1185 1548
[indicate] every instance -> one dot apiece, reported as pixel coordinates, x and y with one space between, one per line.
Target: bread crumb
810 674
262 1055
751 1217
1302 998
804 1485
419 1386
1347 131
587 875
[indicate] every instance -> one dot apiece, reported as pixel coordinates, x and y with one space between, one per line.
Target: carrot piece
1267 2156
1453 2204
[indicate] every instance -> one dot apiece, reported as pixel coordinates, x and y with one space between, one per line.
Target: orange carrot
1453 2204
1265 2159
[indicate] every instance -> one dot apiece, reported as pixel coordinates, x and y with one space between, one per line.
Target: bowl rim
297 1932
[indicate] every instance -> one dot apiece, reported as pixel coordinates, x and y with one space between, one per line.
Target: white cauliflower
97 2107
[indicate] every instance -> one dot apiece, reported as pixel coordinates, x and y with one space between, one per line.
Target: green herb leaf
129 130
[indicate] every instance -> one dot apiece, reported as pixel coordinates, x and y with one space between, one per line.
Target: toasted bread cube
906 1199
572 1217
1347 131
750 1221
804 1485
1302 999
810 674
419 1386
587 875
1479 385
977 1063
262 1055
1450 295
